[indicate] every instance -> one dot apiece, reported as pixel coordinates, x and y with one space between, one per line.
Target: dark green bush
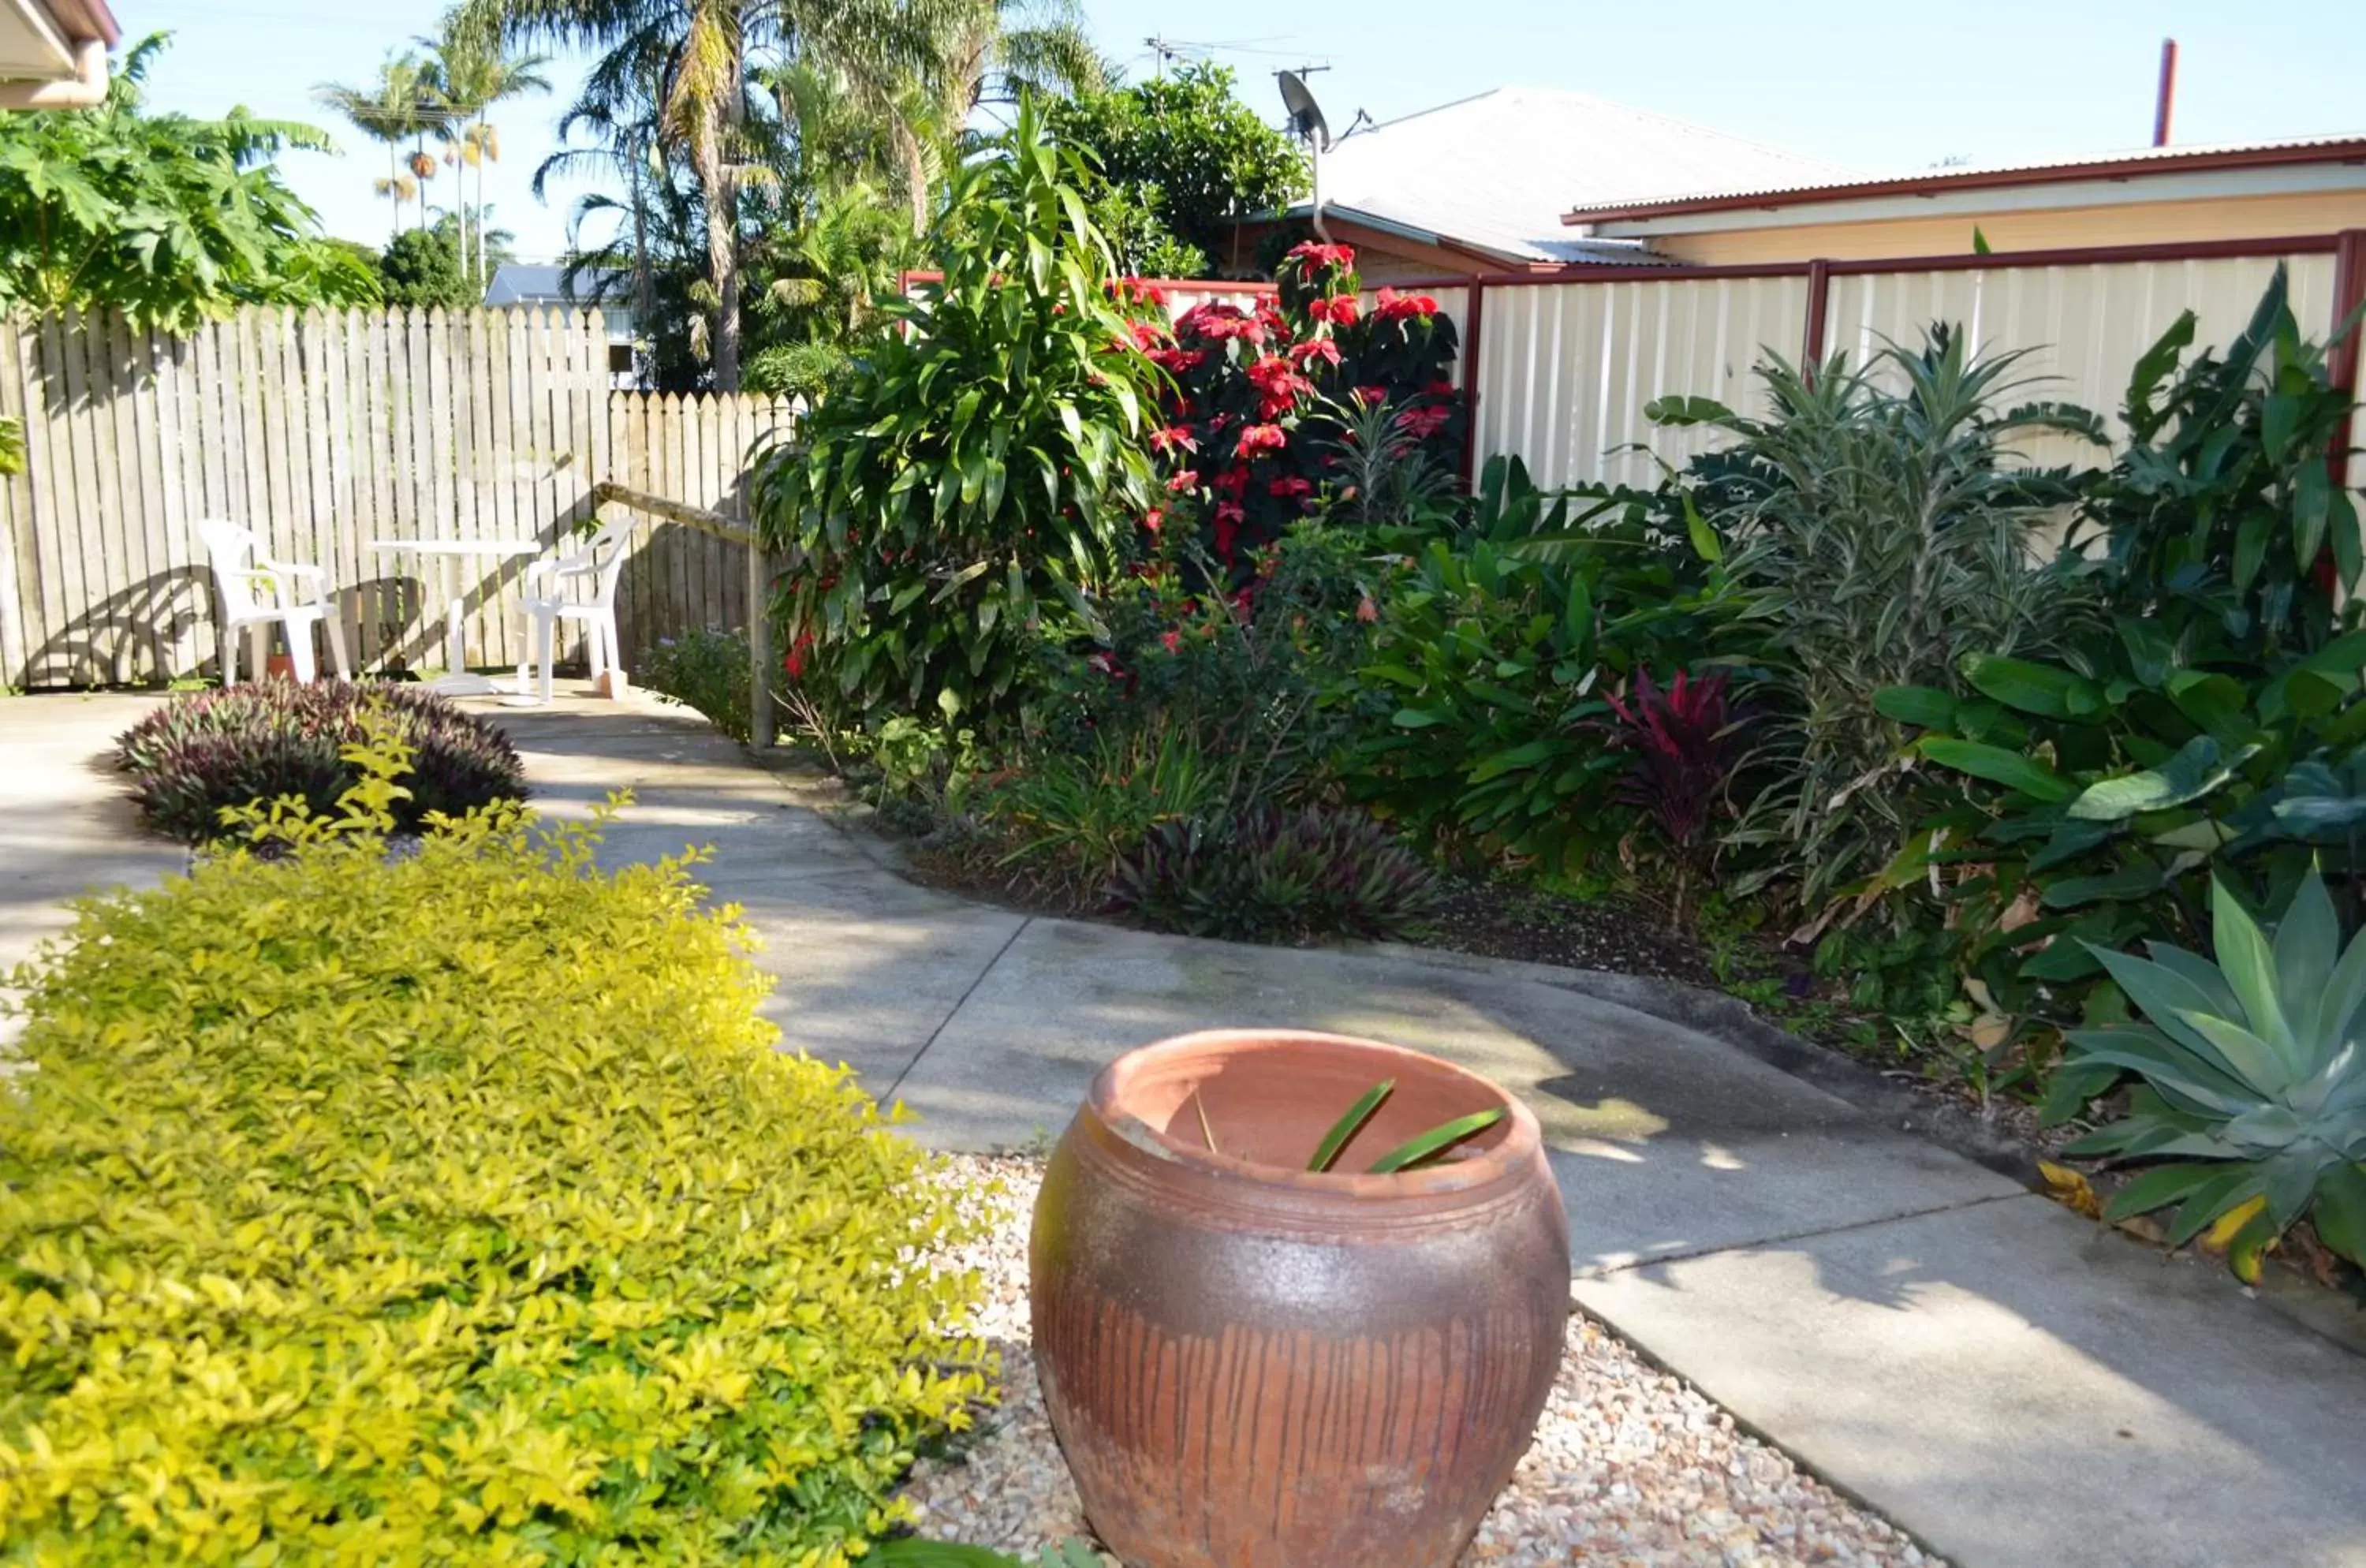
1277 877
203 751
707 670
2204 728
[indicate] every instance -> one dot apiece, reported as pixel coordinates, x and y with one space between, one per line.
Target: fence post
1820 300
759 641
2341 361
1470 383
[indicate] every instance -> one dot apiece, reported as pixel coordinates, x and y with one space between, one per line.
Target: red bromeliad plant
1685 743
1251 413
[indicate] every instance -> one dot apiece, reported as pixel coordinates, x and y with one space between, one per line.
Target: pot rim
1521 1145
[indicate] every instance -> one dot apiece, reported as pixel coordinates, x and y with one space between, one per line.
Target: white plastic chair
578 587
258 592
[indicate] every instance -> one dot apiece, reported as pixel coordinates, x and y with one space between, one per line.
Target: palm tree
471 70
393 108
691 60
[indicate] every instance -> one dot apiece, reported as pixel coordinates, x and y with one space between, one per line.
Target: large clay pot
1251 1365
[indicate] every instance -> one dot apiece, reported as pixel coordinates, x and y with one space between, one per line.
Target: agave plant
2254 1080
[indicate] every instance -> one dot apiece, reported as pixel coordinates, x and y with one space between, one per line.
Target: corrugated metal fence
1566 363
327 432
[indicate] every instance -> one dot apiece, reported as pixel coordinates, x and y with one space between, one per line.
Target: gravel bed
1630 1466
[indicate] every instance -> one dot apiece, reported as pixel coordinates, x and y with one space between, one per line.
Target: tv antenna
1306 120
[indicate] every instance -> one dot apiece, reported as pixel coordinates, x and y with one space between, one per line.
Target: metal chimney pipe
2167 98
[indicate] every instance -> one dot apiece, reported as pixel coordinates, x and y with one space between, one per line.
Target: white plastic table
457 679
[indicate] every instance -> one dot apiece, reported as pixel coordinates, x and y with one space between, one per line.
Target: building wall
2147 223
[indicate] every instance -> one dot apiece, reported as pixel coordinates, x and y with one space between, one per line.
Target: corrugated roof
538 283
1594 208
1496 172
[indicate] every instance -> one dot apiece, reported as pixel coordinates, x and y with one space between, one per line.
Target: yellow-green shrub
452 1208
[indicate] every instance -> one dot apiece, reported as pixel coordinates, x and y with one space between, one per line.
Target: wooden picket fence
332 435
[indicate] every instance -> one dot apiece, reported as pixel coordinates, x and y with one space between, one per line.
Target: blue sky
1877 85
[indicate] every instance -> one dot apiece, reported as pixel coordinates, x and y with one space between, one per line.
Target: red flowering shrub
1256 395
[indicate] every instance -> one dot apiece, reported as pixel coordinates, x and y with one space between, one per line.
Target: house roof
40 39
1495 172
1736 196
541 283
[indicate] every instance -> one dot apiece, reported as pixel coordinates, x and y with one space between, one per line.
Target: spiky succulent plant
2254 1080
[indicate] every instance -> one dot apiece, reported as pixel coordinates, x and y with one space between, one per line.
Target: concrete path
2005 1380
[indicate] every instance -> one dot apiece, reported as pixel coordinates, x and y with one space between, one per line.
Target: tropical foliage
1882 534
2251 1112
2203 721
984 464
166 218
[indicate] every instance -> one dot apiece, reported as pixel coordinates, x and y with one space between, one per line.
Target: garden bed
1630 1464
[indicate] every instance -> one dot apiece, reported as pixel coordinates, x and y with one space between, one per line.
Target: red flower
1173 437
1227 529
1154 517
1229 512
1259 438
1366 611
1392 305
1147 336
1371 397
1171 641
1233 481
1175 361
1216 322
1289 489
1422 423
1440 390
1189 479
1321 348
1339 310
1315 255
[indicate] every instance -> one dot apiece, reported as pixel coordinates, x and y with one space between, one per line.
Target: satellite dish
1305 114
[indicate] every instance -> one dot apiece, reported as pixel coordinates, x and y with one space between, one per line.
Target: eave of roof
2130 166
87 19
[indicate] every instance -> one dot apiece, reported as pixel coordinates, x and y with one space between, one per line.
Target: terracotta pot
1250 1365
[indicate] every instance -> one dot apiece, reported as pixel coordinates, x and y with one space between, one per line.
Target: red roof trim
2349 151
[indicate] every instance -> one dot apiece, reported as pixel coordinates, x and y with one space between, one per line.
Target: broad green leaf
1925 707
2196 770
2128 882
2044 690
1998 765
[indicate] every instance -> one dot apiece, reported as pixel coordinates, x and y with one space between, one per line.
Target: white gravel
1629 1466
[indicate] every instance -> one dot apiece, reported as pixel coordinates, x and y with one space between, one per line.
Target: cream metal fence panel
1565 370
2084 326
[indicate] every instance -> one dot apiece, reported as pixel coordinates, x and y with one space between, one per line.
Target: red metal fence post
2342 355
1470 383
1820 300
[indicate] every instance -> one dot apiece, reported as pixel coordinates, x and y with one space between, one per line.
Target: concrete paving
65 827
1997 1375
